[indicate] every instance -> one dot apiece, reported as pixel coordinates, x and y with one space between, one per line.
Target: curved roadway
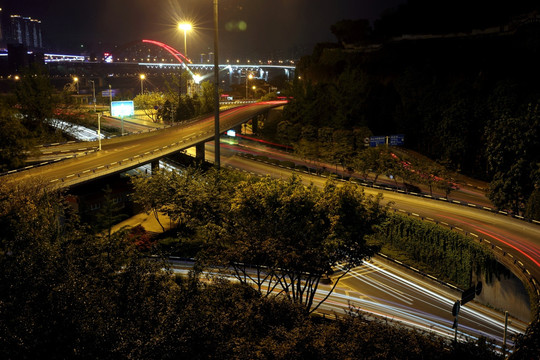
516 242
124 153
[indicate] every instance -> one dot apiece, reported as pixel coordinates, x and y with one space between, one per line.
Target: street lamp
185 27
99 130
249 77
110 101
94 92
142 77
76 80
217 161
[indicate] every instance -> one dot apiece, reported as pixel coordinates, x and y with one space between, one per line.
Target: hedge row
448 255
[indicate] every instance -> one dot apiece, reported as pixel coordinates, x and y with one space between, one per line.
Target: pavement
140 118
147 221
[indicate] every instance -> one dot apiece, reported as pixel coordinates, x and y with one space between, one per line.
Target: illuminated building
22 30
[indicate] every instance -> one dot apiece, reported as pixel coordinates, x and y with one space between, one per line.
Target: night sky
248 28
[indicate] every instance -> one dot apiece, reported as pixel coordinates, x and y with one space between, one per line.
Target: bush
443 253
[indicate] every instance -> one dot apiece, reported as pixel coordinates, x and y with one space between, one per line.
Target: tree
150 103
67 293
166 112
533 205
35 97
528 345
185 109
109 214
153 193
513 146
374 159
343 147
286 237
195 202
207 98
15 142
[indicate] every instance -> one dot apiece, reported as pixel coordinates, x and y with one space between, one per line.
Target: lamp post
249 77
110 100
185 27
94 93
99 130
216 86
142 77
76 80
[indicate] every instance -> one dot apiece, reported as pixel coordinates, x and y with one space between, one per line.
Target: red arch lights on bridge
171 50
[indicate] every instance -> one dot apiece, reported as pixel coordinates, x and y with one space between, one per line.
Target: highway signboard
397 140
108 93
375 141
392 140
122 108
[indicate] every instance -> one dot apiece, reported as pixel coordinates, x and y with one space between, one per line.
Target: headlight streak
450 302
392 313
405 315
512 243
385 288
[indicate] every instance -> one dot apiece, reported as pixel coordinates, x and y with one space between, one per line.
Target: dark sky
248 28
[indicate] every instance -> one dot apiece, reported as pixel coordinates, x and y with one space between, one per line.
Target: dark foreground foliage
67 293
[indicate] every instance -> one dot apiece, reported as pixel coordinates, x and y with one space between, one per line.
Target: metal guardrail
399 190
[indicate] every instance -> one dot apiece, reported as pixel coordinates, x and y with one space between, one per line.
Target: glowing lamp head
142 76
185 26
75 79
197 78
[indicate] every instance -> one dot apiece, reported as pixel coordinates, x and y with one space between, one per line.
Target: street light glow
185 27
142 77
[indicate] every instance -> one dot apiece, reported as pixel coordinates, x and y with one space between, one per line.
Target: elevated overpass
129 152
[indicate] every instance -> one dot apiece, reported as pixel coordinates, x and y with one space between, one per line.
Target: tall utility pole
248 77
93 93
185 27
99 130
216 86
142 77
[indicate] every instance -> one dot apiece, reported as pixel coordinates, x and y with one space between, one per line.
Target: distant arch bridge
126 55
259 70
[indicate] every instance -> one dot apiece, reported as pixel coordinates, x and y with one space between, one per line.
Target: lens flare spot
236 26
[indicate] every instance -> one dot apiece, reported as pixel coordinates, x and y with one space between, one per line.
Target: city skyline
294 26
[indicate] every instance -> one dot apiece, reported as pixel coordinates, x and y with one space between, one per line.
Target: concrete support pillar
199 151
155 166
255 125
255 122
